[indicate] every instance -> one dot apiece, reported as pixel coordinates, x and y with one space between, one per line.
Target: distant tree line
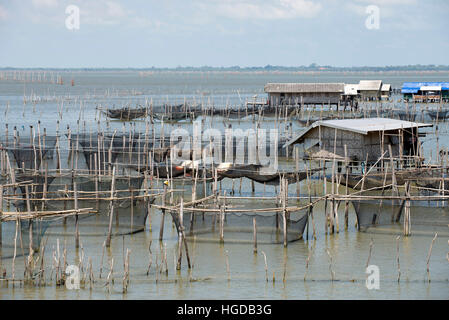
311 67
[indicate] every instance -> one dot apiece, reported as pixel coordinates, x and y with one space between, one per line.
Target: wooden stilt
111 212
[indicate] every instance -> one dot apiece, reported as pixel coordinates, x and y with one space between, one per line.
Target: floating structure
358 139
426 91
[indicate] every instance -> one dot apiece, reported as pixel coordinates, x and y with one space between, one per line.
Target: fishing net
124 221
253 173
90 189
128 218
22 242
425 216
105 149
238 226
37 184
28 156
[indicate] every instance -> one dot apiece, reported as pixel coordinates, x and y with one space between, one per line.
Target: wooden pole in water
30 222
222 214
407 222
15 251
132 208
161 230
428 257
255 235
284 211
397 254
346 189
227 265
58 154
333 188
326 218
180 226
77 231
266 265
147 201
97 203
310 213
298 185
371 244
111 213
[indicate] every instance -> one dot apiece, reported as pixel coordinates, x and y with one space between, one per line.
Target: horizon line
312 67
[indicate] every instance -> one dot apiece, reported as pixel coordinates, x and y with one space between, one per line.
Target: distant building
385 91
304 93
350 95
364 139
370 89
426 91
351 90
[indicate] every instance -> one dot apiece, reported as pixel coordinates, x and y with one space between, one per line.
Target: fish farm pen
120 173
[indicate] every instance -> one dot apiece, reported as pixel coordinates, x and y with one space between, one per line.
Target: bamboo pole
180 238
397 259
371 244
407 222
428 257
254 235
346 188
111 213
284 210
266 265
77 231
161 230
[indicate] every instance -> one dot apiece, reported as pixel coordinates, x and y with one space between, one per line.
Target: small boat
126 114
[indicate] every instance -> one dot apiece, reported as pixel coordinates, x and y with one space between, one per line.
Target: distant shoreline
266 69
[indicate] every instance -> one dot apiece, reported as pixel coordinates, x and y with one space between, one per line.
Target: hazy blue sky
170 33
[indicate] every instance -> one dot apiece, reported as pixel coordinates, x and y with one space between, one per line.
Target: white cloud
265 10
45 3
387 7
103 12
115 10
388 2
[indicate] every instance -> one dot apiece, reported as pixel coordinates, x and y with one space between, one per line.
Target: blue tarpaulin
414 87
407 90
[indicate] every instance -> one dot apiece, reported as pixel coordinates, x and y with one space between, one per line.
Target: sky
171 33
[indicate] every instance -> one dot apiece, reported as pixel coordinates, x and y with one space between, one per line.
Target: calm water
76 106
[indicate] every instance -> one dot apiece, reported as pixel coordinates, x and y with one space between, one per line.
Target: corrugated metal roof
370 85
431 88
304 87
351 89
362 126
386 87
410 90
418 85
